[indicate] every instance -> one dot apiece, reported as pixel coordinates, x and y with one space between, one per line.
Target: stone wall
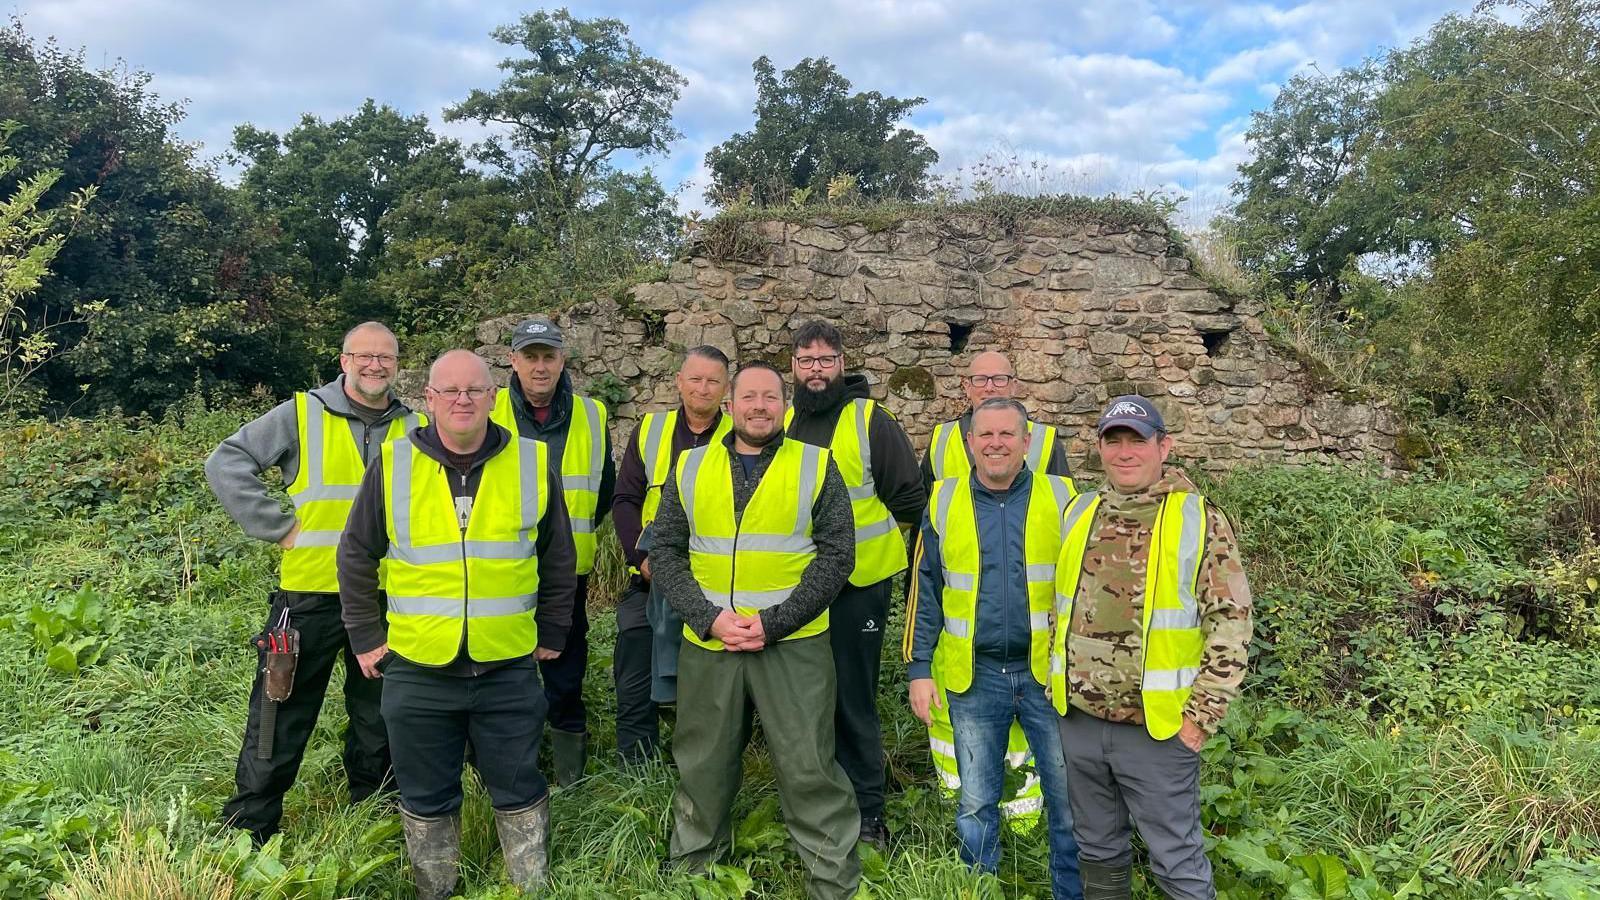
1085 309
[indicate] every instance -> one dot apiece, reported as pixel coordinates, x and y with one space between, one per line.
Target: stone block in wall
821 238
827 263
1071 281
1198 302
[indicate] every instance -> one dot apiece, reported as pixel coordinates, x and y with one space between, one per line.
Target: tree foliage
810 129
1462 167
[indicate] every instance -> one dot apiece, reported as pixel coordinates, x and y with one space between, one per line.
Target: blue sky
1104 96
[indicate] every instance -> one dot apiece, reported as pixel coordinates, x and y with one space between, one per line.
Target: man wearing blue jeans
978 617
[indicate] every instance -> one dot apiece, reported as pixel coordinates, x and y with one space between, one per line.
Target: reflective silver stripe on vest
1039 621
863 492
1189 558
532 477
1075 512
400 490
958 628
809 471
477 608
941 512
862 439
1045 572
1169 679
1173 620
317 539
597 445
655 428
757 600
454 552
1037 439
876 529
581 525
941 442
1060 490
943 748
960 581
1058 664
766 543
311 458
686 477
580 482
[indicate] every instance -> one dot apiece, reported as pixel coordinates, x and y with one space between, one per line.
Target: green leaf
364 871
1326 873
1254 859
62 659
380 832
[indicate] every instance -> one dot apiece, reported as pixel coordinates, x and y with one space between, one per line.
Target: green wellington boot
1101 882
570 753
434 845
525 841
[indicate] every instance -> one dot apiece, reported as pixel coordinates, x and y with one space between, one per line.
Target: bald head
460 394
989 375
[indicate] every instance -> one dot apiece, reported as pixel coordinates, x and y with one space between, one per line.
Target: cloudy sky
1113 95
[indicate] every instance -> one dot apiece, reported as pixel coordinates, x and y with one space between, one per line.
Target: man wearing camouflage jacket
1149 640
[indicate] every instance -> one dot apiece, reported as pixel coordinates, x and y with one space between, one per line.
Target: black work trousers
563 676
855 627
433 715
259 784
638 725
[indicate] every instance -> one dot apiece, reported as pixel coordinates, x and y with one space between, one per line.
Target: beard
807 400
754 440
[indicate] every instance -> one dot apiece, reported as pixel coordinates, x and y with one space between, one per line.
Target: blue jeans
981 718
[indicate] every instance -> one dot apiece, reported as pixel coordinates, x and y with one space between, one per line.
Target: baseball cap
537 330
1131 411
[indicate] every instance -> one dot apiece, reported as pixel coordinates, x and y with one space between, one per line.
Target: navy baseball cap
1131 411
537 330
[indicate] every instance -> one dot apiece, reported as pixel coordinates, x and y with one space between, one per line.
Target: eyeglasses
818 362
998 381
473 394
367 359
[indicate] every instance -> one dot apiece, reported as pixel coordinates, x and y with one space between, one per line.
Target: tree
584 93
330 185
809 129
195 289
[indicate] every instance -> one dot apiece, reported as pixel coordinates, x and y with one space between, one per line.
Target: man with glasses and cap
321 441
1149 644
541 404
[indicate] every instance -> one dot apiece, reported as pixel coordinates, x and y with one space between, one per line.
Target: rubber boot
570 752
1103 882
525 842
434 846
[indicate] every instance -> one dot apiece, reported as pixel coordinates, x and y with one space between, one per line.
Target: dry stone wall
1086 311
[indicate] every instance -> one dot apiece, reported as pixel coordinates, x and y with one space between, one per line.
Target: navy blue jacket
1003 636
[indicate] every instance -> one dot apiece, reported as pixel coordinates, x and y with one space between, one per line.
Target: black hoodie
366 540
894 462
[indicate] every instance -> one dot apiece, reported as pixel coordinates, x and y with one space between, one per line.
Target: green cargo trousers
791 685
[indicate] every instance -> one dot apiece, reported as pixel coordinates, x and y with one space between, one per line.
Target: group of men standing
447 558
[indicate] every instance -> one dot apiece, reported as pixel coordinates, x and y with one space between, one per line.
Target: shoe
434 845
570 753
525 842
1102 882
876 833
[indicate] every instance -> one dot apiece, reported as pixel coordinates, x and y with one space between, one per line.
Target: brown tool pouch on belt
281 644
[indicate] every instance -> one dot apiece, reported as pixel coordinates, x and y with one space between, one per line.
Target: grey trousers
1116 769
791 685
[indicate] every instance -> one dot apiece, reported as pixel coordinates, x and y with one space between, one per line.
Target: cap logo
537 328
1126 409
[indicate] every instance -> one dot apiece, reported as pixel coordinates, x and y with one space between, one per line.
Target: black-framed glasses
818 362
367 359
473 394
998 381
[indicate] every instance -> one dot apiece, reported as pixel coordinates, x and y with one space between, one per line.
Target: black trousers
638 727
563 676
856 621
433 715
259 784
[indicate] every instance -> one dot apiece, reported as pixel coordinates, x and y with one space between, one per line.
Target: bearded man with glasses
321 442
835 411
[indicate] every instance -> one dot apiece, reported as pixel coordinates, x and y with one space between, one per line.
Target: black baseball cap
1132 411
537 330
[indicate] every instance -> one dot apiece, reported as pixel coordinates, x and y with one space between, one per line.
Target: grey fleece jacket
833 530
235 468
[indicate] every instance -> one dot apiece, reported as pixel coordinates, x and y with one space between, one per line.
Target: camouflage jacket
1104 642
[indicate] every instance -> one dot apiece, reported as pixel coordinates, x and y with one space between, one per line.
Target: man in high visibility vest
989 376
1150 633
321 441
753 541
879 467
541 404
470 526
645 662
978 624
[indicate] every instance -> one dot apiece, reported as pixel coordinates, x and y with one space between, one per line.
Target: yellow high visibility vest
582 461
953 518
753 562
1173 644
948 456
655 450
481 575
880 550
324 490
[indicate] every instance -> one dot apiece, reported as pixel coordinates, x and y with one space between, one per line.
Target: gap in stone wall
959 335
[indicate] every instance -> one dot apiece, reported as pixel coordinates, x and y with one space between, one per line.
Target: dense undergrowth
1422 721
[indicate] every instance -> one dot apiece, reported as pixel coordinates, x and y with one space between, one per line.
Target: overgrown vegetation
1421 721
